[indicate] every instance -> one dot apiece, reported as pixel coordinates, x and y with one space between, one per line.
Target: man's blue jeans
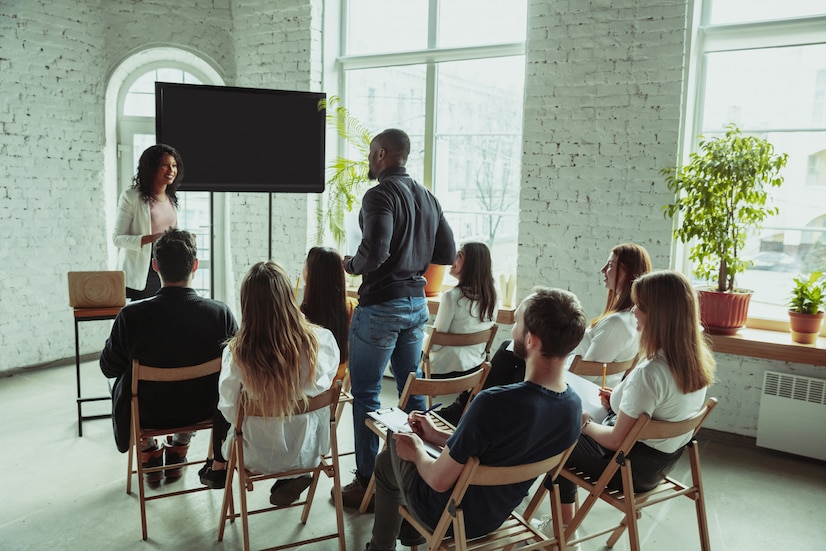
391 331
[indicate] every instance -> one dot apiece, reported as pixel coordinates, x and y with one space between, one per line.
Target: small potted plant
721 193
806 308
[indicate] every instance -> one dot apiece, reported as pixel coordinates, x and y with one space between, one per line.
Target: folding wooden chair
457 339
328 465
598 369
427 387
161 375
516 531
630 503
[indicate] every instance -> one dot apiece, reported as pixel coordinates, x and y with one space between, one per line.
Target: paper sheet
588 394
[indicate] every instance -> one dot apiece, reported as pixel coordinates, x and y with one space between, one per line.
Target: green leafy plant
346 177
721 193
808 295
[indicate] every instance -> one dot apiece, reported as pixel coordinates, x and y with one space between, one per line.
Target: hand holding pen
419 422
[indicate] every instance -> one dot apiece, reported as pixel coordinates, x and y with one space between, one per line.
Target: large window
762 66
451 74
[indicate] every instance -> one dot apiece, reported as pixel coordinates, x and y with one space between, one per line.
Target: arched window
130 123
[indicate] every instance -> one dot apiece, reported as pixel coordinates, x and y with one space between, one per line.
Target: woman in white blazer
145 211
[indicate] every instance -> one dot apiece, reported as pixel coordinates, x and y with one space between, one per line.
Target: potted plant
347 177
721 193
806 308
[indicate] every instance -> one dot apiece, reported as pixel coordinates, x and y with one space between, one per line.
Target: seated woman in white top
469 307
280 359
612 336
669 384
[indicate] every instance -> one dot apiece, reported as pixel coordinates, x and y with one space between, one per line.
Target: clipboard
395 420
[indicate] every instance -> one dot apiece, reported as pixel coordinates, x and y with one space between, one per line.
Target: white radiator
792 414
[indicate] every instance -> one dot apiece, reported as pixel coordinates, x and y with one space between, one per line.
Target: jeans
391 331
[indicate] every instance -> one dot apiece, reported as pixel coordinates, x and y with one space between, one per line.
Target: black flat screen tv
243 139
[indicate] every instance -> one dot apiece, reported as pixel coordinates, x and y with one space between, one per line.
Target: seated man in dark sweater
508 425
174 328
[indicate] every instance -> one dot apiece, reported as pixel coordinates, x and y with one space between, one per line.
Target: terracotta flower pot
805 327
434 275
723 313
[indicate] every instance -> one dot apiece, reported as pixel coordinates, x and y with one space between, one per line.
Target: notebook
105 289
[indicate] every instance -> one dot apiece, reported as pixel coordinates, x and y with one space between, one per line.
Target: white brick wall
602 115
55 58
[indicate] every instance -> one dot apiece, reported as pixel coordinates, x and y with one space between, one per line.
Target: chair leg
129 467
556 518
141 489
305 513
227 506
368 494
242 487
699 498
535 501
630 519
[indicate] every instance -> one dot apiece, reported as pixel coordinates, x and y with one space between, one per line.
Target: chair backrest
252 408
439 387
597 369
644 428
440 338
142 372
476 474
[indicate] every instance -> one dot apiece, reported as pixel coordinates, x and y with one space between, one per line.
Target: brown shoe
353 493
175 455
152 458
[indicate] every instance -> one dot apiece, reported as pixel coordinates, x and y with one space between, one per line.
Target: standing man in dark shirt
403 231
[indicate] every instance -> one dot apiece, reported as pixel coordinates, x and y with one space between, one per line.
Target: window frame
708 38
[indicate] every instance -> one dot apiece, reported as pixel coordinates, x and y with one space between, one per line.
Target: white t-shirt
273 444
458 314
650 388
614 338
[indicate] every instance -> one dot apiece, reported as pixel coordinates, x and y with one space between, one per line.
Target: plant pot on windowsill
805 327
434 276
723 313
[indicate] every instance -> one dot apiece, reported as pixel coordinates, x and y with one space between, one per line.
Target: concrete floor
63 492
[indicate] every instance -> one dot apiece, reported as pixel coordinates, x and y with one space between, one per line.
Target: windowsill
505 315
772 345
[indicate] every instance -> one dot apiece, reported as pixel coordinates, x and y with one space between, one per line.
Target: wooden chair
598 369
427 387
328 465
456 339
516 531
161 375
628 502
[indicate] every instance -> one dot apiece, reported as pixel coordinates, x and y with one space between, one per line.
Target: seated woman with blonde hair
281 359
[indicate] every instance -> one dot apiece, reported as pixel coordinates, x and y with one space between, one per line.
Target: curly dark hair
148 167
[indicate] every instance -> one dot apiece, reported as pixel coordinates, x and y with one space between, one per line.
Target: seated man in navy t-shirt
507 425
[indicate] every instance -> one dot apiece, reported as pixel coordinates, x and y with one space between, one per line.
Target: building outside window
760 64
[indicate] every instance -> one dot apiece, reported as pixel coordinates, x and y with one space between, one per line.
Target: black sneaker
212 479
409 536
353 493
287 490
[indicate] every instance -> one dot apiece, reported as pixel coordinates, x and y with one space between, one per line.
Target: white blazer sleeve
128 232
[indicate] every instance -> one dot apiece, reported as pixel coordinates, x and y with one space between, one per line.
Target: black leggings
648 466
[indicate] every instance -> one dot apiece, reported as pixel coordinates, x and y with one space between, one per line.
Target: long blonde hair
672 327
273 338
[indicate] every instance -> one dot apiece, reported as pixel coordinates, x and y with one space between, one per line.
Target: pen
428 410
604 370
